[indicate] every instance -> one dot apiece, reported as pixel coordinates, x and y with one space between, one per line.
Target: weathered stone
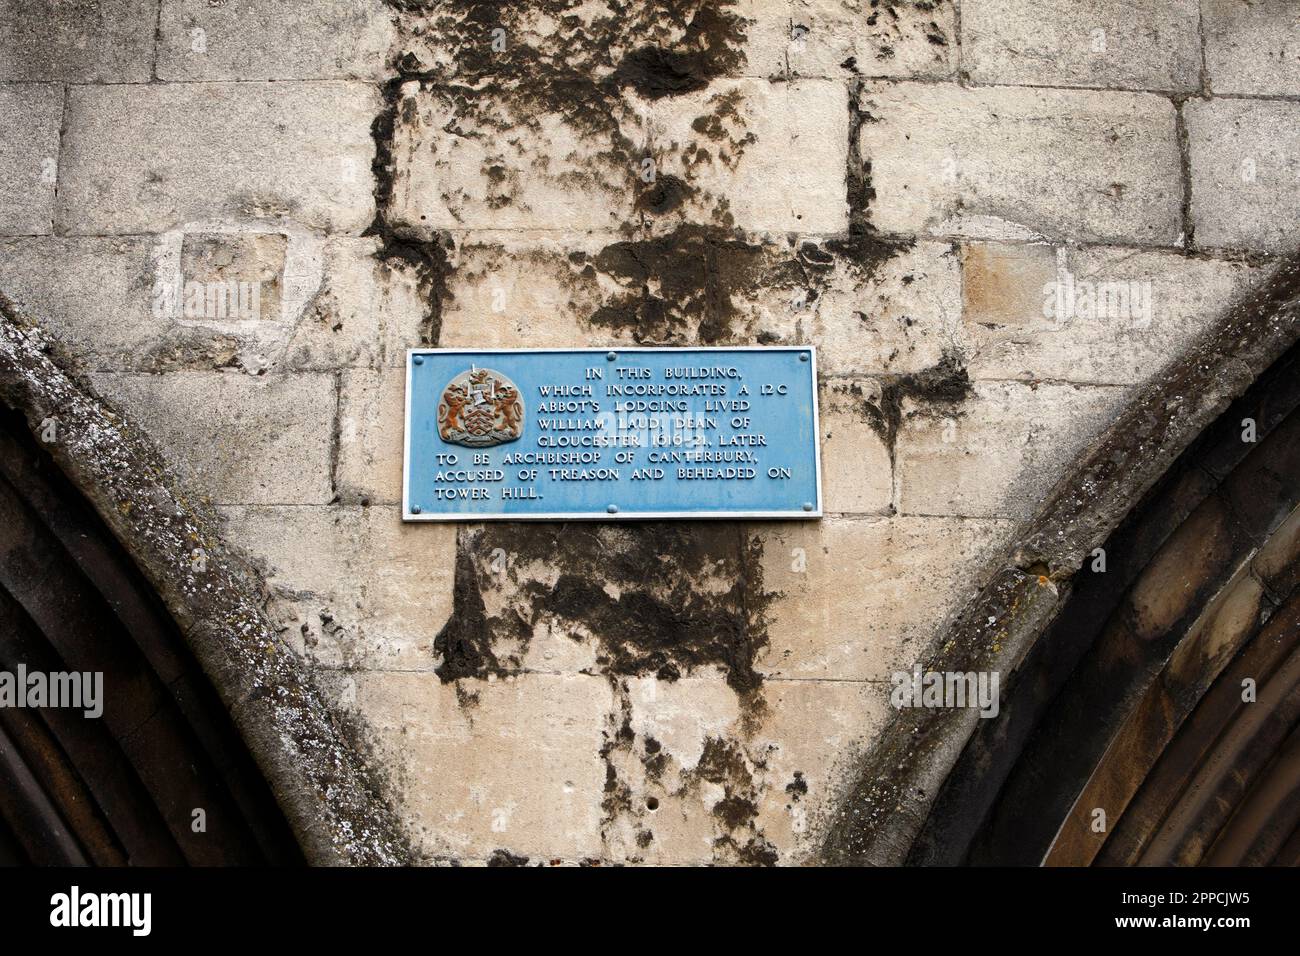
914 38
643 692
238 439
1105 43
483 178
694 778
868 304
1022 164
887 308
29 157
857 599
154 158
353 587
662 598
265 40
1245 166
372 413
1092 315
695 285
809 737
1252 48
760 156
82 41
656 811
321 784
545 49
512 290
857 474
92 294
528 777
119 303
1000 452
359 315
748 153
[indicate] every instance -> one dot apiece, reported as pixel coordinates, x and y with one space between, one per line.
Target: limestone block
512 764
268 40
1152 45
1245 159
1252 48
131 303
896 309
1014 163
760 156
1001 451
512 290
811 735
856 599
152 158
372 419
236 438
1093 315
352 586
107 41
29 157
745 153
857 475
905 40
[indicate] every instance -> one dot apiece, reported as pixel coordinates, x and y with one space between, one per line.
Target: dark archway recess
1131 702
120 789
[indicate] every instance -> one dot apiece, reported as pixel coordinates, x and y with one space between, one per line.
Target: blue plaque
561 434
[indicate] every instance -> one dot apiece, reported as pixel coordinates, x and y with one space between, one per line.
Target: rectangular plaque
560 434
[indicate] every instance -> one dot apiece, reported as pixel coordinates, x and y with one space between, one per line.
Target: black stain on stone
735 812
465 642
661 599
710 47
681 287
866 252
424 257
577 71
724 764
858 172
797 788
664 195
506 858
945 383
653 72
655 760
500 75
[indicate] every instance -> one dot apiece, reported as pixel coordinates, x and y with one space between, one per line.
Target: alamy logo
75 908
1126 302
61 689
946 689
228 300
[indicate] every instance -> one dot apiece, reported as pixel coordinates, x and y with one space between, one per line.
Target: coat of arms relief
480 408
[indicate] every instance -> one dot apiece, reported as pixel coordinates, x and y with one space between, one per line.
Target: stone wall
994 218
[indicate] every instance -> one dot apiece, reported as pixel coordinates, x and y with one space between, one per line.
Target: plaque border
798 515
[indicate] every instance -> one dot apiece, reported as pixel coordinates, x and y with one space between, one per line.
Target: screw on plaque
418 359
415 509
611 355
803 356
612 509
807 506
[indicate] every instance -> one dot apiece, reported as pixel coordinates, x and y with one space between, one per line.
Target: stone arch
109 567
1123 687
